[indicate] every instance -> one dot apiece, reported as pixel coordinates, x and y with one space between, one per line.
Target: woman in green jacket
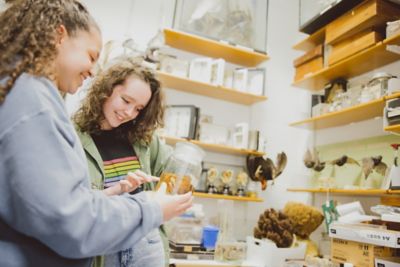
116 124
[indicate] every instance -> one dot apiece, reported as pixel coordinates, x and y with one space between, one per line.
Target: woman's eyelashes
125 100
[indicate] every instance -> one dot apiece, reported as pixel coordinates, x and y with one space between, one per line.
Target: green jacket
152 159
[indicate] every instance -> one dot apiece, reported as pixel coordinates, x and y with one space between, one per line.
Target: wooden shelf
209 90
393 128
364 61
210 48
218 196
356 192
311 41
214 148
345 116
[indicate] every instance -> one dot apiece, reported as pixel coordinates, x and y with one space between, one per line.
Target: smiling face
125 102
76 58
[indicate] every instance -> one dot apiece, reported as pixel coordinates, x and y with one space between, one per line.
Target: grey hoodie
48 214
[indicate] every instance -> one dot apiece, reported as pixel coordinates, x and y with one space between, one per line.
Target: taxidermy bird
312 161
263 170
373 163
344 160
153 47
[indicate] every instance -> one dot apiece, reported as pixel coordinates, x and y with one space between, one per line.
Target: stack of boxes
366 245
358 29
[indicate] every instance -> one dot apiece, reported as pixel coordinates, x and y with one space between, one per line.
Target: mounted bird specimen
312 161
373 163
344 160
263 170
152 53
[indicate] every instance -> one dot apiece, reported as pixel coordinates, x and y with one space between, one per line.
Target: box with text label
366 233
358 254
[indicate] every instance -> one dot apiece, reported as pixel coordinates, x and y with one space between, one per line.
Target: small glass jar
183 169
378 85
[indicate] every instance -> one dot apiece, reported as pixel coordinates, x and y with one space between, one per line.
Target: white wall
285 103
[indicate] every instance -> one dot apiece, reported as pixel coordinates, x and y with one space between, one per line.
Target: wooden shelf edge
234 54
338 113
330 115
227 197
366 192
392 128
311 41
214 147
392 96
225 93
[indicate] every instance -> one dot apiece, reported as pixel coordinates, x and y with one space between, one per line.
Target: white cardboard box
365 234
387 262
264 253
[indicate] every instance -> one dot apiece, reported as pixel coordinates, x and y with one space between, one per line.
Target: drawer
369 14
309 68
313 53
352 46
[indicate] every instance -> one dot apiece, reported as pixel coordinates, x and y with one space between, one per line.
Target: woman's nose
130 112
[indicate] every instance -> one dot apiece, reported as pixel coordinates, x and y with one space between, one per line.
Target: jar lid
211 228
380 75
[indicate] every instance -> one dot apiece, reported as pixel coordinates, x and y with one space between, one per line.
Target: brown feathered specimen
344 160
312 161
373 163
263 170
275 226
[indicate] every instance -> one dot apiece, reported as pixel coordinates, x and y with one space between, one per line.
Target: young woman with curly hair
116 124
49 215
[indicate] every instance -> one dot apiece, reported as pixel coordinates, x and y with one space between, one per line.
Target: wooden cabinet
369 14
352 46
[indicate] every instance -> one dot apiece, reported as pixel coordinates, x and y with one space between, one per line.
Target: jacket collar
90 148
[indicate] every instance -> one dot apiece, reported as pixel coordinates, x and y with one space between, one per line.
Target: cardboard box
369 14
352 46
387 262
266 253
365 234
309 68
318 51
359 254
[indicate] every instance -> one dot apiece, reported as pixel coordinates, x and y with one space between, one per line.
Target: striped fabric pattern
116 169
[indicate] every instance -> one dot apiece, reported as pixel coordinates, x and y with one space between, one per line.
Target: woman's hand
134 179
171 205
131 182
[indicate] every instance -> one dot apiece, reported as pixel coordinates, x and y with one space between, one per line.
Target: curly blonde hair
28 36
90 115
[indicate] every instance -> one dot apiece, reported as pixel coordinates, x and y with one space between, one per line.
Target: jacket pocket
153 237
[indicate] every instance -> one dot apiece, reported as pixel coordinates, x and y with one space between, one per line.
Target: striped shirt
118 156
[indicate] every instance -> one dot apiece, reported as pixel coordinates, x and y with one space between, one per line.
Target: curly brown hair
28 36
90 115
